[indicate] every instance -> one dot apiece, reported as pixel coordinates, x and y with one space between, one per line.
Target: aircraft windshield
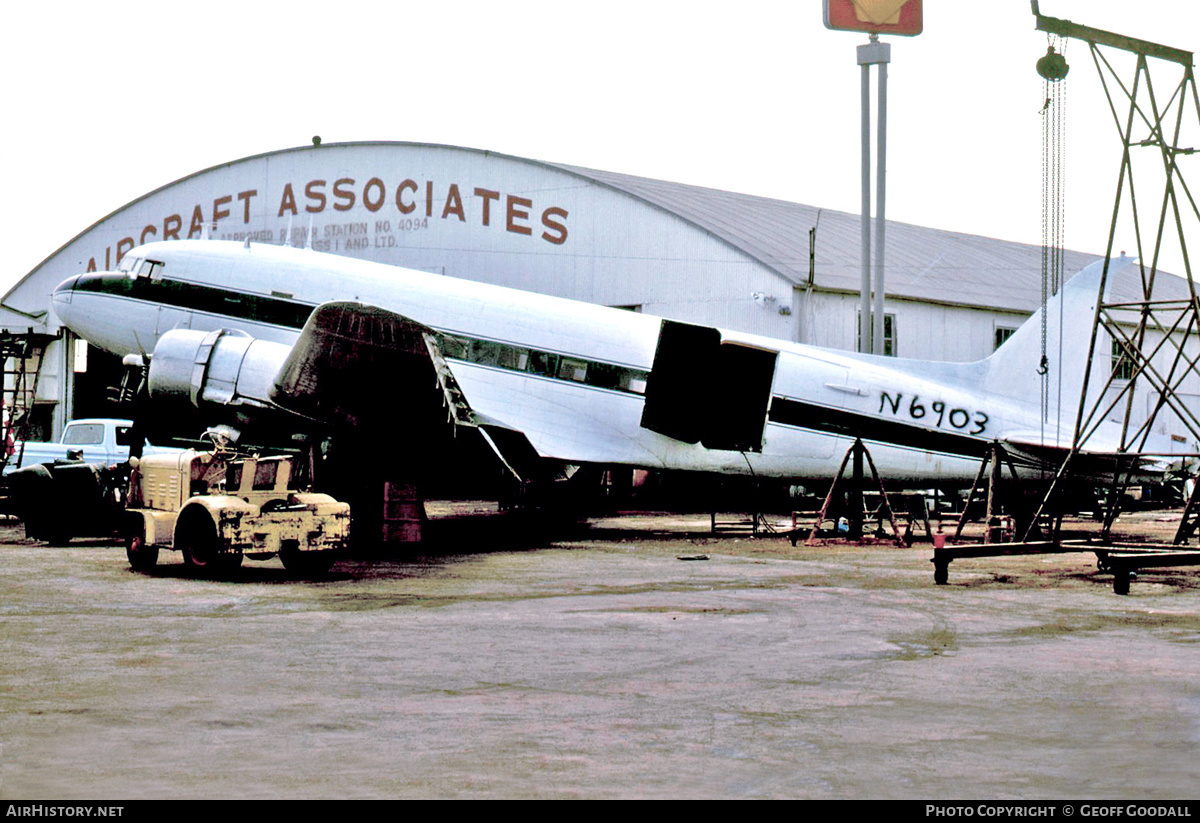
137 266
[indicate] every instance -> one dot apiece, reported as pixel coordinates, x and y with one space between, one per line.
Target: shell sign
875 16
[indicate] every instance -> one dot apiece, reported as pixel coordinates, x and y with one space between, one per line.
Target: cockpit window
137 266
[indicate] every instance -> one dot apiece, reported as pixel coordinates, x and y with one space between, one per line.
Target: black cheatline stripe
853 424
292 314
257 308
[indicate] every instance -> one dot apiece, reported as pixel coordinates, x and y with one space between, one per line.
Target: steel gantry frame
1165 363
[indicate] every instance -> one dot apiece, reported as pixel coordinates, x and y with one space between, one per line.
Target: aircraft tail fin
1017 369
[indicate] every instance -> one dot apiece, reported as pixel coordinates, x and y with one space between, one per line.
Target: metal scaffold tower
1153 337
22 355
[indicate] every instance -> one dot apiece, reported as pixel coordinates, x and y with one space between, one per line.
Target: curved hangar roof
594 235
924 264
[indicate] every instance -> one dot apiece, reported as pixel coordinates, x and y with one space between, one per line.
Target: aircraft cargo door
703 390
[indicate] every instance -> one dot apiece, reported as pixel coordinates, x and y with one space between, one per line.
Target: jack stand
992 464
858 452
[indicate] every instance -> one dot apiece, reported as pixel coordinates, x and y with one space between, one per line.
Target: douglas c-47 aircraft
253 330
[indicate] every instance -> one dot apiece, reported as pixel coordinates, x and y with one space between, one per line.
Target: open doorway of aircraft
281 338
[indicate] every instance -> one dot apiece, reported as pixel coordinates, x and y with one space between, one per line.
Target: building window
1002 334
889 335
1122 364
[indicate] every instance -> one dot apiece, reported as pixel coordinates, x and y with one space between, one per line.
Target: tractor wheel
142 556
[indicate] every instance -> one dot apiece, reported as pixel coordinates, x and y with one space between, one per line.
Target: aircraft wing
354 368
363 366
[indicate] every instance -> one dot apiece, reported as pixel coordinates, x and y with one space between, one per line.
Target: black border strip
293 314
788 412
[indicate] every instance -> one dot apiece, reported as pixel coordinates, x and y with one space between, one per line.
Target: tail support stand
856 511
998 541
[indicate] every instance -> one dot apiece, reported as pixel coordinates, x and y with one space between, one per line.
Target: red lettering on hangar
514 212
449 201
172 224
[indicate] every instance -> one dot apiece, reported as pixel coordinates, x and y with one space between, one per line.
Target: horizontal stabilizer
1093 463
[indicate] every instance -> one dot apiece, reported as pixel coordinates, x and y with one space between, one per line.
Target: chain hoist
1053 69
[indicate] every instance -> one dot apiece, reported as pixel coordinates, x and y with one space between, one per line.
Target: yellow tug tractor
218 507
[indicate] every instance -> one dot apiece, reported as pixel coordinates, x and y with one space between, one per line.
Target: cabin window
1002 334
453 348
571 369
543 363
300 475
513 358
485 352
607 376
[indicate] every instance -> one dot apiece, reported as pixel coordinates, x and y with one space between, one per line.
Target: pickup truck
75 487
90 440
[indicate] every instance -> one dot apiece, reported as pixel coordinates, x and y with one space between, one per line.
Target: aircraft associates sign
384 210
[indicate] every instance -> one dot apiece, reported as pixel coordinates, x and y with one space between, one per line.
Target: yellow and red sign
875 16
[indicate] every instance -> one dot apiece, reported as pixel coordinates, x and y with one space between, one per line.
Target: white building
683 252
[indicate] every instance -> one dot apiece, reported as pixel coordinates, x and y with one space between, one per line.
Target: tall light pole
873 54
874 17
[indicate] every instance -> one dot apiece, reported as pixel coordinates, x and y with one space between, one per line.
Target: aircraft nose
64 290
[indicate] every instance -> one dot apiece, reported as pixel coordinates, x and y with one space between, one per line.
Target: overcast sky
105 102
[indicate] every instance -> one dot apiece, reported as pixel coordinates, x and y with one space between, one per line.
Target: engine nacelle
331 377
220 368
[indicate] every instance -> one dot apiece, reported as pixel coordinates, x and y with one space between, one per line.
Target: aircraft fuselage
575 378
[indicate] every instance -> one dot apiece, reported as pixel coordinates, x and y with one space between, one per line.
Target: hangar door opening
703 390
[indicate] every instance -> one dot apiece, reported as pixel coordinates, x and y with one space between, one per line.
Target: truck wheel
53 537
197 539
142 557
941 573
307 563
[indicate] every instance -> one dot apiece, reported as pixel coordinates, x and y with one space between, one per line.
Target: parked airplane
258 329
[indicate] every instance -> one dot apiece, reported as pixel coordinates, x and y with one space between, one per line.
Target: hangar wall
447 210
921 330
691 254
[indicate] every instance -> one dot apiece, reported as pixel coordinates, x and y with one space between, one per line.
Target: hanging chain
1053 128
